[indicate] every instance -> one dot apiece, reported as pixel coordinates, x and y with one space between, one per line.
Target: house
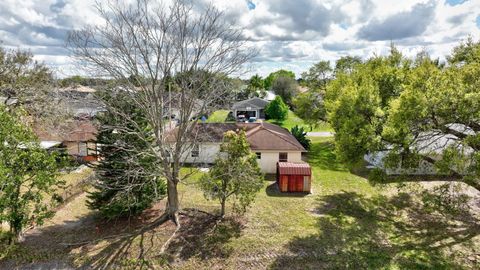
270 143
254 107
78 138
429 144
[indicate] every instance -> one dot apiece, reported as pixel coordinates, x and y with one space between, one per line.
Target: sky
289 34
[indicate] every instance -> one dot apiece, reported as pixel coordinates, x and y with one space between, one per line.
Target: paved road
320 134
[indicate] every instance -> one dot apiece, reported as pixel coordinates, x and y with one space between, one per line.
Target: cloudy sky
289 34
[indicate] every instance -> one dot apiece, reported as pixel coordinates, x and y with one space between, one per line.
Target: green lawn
219 116
344 224
293 120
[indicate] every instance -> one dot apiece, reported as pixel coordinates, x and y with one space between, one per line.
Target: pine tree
128 173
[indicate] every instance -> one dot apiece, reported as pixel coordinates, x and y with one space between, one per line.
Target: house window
259 155
283 157
195 151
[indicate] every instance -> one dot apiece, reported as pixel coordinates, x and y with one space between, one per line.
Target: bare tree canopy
172 59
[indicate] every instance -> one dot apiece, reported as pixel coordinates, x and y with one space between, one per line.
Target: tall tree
346 64
27 176
129 178
318 75
414 111
235 174
178 50
286 87
279 73
29 85
310 107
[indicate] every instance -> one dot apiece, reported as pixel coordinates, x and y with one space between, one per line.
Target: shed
294 177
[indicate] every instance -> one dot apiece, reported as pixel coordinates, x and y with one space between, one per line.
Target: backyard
344 224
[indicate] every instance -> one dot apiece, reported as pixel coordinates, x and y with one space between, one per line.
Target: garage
294 177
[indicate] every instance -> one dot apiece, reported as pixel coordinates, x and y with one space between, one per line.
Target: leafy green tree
346 64
466 52
279 73
255 88
318 75
128 174
300 134
235 174
391 103
285 87
310 107
277 109
27 177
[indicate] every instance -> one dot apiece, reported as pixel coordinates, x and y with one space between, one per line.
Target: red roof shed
294 177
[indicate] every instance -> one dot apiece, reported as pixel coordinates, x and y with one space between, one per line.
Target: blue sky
288 34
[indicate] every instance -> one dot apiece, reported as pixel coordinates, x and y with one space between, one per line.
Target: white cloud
289 34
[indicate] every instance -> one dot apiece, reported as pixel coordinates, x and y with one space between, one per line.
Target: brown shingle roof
261 136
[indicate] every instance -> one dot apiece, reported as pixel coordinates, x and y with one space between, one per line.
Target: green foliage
310 107
318 75
390 102
255 88
285 87
347 64
27 176
277 109
268 82
235 174
128 173
467 52
300 134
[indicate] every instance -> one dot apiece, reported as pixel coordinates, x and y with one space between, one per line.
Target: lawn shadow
359 232
273 191
204 236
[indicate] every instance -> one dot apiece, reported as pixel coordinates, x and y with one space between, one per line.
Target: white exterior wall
269 159
207 154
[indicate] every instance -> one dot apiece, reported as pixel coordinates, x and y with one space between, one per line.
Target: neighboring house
270 143
78 138
429 144
254 107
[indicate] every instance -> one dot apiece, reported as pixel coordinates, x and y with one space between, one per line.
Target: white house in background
254 107
269 142
430 144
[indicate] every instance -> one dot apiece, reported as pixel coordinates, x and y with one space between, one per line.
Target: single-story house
254 107
270 143
429 144
78 138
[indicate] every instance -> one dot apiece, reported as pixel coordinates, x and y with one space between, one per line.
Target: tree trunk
172 200
222 210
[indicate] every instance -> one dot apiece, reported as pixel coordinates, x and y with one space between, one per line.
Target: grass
293 120
219 116
344 224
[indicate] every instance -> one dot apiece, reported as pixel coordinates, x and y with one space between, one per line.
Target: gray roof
254 103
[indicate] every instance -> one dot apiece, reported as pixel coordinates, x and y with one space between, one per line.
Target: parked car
252 119
241 118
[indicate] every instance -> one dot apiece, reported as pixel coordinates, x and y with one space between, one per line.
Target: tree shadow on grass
273 191
93 243
358 232
204 236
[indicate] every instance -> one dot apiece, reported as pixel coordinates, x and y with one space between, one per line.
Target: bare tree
171 60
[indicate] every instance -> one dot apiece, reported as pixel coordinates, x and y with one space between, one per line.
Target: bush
301 136
277 109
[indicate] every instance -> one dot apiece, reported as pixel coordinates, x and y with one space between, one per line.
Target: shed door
284 183
291 183
298 183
